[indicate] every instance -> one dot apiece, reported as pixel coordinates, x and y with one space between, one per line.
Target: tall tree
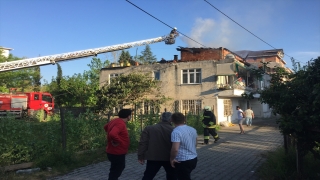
92 76
124 57
296 98
56 90
37 79
146 56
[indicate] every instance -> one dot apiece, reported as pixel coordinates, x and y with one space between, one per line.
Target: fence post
185 115
63 129
141 121
285 141
109 114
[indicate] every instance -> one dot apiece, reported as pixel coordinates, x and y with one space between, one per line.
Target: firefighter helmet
207 108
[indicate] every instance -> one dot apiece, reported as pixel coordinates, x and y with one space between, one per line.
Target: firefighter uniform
209 124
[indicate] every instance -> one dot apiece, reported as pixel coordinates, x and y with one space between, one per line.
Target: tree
78 89
37 79
92 76
124 57
23 79
126 90
146 56
55 87
296 98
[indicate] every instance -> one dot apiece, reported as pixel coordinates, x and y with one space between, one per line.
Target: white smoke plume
209 33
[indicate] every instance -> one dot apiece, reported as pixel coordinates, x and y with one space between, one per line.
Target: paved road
235 156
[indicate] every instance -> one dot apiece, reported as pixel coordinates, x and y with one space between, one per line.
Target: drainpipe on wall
216 113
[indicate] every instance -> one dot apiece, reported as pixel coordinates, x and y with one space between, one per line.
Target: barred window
151 107
227 107
192 106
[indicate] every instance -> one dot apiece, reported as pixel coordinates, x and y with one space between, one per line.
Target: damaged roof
194 50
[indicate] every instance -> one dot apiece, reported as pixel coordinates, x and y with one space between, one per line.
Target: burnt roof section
197 50
246 53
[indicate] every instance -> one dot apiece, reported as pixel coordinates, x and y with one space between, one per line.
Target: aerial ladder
52 59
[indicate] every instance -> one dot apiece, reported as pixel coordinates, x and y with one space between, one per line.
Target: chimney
175 57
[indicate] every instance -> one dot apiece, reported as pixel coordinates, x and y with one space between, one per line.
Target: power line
164 22
245 28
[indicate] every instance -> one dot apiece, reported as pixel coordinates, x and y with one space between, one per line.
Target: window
227 107
191 76
192 106
36 97
156 75
113 75
223 80
151 107
46 98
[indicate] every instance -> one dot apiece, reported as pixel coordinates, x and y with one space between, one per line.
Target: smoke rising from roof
209 33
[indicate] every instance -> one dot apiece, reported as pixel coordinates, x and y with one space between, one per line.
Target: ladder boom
52 59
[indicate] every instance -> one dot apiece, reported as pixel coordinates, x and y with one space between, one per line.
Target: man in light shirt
183 155
240 118
249 116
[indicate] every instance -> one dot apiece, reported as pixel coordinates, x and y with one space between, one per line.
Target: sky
40 28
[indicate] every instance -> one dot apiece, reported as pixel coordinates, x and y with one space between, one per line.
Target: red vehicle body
19 104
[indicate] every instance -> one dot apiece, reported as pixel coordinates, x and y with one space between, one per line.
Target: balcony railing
235 86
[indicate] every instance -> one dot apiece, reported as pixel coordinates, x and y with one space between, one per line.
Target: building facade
202 77
5 51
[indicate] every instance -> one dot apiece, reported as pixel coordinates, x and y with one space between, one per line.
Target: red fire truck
19 104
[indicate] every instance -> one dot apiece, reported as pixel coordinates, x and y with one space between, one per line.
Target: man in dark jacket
209 124
154 146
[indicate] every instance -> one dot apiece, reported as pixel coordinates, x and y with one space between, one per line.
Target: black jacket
209 118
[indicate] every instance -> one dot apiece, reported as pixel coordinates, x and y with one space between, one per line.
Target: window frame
193 106
190 74
156 75
227 107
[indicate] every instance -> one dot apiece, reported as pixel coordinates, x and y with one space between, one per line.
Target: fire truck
19 104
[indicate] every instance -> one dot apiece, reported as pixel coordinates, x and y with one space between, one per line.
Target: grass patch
61 163
279 165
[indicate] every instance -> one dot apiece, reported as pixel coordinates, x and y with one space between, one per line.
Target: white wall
5 52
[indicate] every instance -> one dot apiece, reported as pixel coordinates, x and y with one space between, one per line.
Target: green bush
58 158
195 121
279 165
40 141
31 140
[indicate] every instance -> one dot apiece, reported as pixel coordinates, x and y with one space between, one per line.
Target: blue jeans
248 121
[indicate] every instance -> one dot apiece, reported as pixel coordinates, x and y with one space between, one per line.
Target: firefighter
209 124
173 32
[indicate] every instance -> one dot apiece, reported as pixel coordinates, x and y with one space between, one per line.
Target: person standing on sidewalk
118 143
240 118
209 125
183 152
249 116
154 146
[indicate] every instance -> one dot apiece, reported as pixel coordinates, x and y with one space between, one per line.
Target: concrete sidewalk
235 156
